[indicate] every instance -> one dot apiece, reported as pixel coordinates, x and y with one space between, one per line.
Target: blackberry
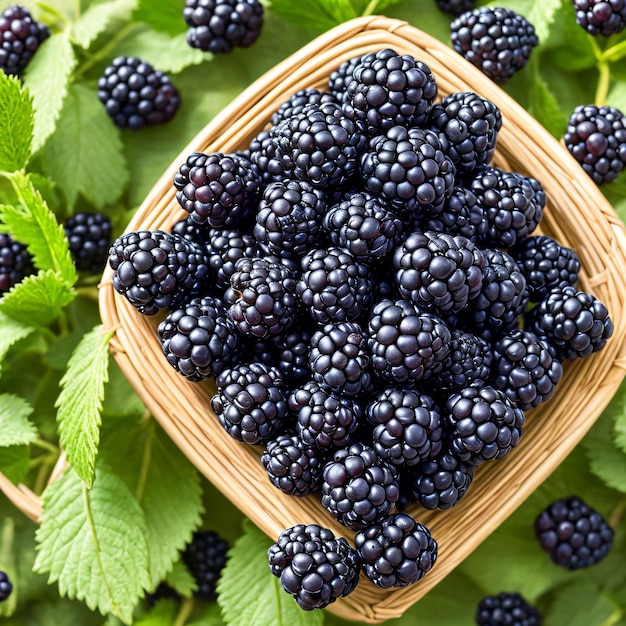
162 592
190 231
313 565
573 534
574 323
250 403
498 41
297 101
205 557
89 236
15 262
324 419
407 344
601 17
199 340
388 89
358 488
468 126
6 587
291 465
339 77
439 271
20 38
364 226
455 7
136 95
596 138
396 552
217 190
157 270
506 609
218 26
484 424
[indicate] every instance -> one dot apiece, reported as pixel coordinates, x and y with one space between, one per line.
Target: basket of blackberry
376 304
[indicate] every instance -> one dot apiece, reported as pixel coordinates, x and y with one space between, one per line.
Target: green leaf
47 77
16 124
93 542
318 14
210 616
11 331
14 463
97 17
84 155
166 17
607 461
181 580
544 105
15 428
617 95
581 603
542 16
261 601
80 402
163 614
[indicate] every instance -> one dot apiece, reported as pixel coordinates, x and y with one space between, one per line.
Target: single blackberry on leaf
15 262
601 17
205 557
506 609
6 587
89 236
297 101
20 38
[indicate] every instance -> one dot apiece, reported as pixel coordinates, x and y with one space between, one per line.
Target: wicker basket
577 215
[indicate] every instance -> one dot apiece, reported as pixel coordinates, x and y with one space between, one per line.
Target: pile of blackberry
375 269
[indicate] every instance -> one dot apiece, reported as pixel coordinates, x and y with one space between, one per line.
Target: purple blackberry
339 77
574 323
136 95
288 351
157 270
358 488
498 41
388 89
224 247
6 586
455 7
596 138
20 38
296 102
15 262
89 236
199 340
217 190
205 557
313 565
483 423
573 534
262 150
190 231
218 26
601 17
506 609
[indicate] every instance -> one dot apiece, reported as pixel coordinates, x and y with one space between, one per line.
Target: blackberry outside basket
577 215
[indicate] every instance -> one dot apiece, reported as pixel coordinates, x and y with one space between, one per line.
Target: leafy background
115 523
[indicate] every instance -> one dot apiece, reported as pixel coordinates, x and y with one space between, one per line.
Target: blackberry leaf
97 18
16 124
544 105
14 463
607 461
181 580
542 14
15 427
11 331
165 18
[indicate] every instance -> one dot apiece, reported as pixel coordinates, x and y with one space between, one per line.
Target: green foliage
15 428
11 331
97 17
181 580
14 463
163 17
16 124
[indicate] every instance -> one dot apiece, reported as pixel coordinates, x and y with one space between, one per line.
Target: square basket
577 215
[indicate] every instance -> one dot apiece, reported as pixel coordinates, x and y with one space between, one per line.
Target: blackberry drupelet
297 101
6 587
225 246
483 423
455 7
506 609
89 236
574 323
498 41
205 557
339 77
15 262
136 95
262 155
157 270
218 26
20 38
601 17
396 552
596 138
573 534
388 89
199 340
190 231
358 488
313 565
217 190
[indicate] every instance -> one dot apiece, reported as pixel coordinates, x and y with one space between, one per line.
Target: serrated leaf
261 601
80 402
181 580
14 462
11 331
606 460
46 77
93 542
15 427
16 124
85 154
97 17
317 14
542 16
166 17
545 107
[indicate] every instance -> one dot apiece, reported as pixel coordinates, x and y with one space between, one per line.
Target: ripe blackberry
158 270
217 190
406 343
484 424
573 534
199 340
313 565
508 609
190 231
89 236
498 41
407 426
218 26
596 138
205 557
6 586
339 77
358 488
324 419
136 95
162 592
439 271
250 402
455 7
574 323
15 262
297 101
20 38
292 465
224 247
388 89
262 155
601 17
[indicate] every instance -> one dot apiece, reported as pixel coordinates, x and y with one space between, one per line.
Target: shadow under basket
577 215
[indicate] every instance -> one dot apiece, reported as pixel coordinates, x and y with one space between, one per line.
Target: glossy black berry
289 351
339 77
455 7
506 609
601 17
6 587
297 101
89 236
20 38
224 247
205 557
15 262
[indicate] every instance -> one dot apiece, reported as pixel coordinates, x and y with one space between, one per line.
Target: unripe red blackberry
20 38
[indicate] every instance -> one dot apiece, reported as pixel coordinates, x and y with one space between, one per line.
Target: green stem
185 611
617 514
370 9
42 475
46 445
616 52
604 81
